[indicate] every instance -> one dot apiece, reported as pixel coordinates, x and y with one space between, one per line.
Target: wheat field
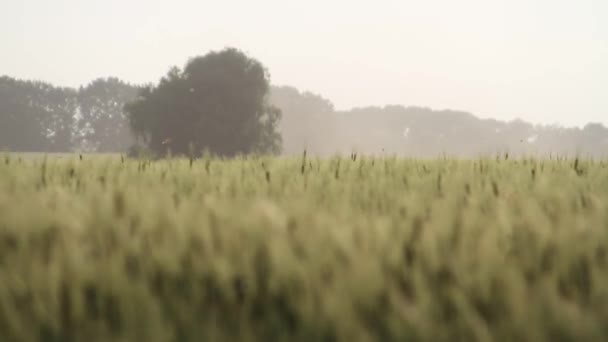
105 248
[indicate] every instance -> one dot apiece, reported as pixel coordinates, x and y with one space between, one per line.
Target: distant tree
419 131
594 139
21 128
222 102
595 132
102 124
307 121
35 116
219 103
59 106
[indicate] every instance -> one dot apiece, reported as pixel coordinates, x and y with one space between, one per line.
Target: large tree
218 102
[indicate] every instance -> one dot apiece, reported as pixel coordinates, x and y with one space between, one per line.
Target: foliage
302 249
307 122
310 122
103 126
40 117
219 103
35 116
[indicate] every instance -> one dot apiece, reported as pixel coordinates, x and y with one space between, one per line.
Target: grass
260 248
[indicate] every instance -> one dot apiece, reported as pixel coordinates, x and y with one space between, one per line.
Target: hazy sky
540 60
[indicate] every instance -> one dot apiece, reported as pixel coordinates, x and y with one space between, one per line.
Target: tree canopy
218 102
307 121
102 123
35 116
40 117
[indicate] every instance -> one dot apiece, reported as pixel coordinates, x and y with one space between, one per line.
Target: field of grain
269 249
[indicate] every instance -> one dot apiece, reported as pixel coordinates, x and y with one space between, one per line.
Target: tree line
223 103
311 122
217 103
40 117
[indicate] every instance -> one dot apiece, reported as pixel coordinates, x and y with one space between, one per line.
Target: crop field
106 248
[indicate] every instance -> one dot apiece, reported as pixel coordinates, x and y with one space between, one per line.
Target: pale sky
545 61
